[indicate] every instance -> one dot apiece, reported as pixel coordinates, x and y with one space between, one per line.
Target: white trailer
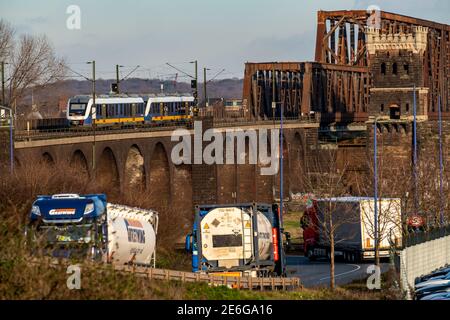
354 238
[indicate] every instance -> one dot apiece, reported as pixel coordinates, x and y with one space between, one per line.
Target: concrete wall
421 259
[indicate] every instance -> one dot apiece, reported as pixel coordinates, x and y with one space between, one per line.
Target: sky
220 34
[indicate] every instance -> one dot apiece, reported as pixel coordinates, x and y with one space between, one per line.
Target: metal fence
415 238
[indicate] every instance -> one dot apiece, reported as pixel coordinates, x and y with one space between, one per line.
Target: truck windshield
67 234
77 108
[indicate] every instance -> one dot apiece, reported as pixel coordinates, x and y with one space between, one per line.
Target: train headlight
89 208
35 211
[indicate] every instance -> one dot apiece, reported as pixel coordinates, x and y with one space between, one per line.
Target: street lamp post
375 188
416 203
196 81
441 167
117 77
204 86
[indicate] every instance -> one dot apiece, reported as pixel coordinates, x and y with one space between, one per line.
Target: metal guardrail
249 283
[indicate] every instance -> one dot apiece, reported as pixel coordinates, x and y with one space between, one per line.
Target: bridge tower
396 65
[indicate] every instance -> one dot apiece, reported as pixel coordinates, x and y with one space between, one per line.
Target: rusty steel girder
341 39
302 88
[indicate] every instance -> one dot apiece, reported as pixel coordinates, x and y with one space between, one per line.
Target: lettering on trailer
61 212
135 231
264 235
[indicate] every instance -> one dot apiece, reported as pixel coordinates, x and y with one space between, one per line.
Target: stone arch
17 163
47 159
264 183
227 177
107 172
134 175
286 178
246 186
404 129
182 194
297 164
79 163
159 178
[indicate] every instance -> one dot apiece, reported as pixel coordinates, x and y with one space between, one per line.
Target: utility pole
196 81
93 117
274 104
204 86
441 168
416 191
375 188
117 78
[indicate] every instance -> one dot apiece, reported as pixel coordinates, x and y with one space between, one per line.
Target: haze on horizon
219 34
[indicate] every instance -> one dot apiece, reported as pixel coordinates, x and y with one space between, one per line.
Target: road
317 273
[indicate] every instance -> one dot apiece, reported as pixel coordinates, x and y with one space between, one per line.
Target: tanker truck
86 226
237 240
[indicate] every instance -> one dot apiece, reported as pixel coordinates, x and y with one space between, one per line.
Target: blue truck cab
69 225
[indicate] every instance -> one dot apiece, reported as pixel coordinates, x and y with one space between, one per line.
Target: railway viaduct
141 162
367 66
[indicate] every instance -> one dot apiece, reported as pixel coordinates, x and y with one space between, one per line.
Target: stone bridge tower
396 65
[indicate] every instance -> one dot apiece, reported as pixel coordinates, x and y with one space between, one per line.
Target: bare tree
326 180
419 195
32 62
6 40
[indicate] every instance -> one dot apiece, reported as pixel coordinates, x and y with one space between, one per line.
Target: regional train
130 110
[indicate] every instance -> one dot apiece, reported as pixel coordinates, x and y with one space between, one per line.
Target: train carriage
108 110
129 110
168 108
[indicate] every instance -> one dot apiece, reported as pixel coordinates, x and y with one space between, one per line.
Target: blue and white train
129 110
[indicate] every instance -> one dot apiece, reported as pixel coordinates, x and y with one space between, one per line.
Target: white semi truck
354 237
